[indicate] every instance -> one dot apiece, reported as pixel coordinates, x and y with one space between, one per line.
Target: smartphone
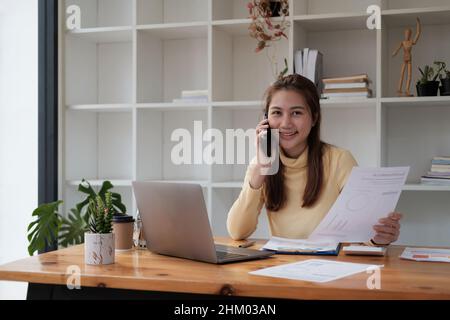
269 139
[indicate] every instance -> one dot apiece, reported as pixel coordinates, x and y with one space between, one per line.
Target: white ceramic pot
98 248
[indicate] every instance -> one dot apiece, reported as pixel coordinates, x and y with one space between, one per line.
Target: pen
247 244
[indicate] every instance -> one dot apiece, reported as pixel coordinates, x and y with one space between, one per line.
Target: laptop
175 223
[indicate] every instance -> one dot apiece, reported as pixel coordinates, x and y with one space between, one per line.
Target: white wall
18 132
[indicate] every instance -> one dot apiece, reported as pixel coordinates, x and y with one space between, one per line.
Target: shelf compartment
166 67
433 35
229 9
414 4
407 17
103 13
332 21
415 136
108 155
97 72
171 11
233 166
240 74
155 145
316 7
345 52
340 128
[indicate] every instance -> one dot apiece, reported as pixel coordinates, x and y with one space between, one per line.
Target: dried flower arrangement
268 32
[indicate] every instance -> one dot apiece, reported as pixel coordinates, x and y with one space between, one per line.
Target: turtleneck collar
297 163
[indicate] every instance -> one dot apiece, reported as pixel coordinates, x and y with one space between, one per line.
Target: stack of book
355 86
309 63
193 96
439 174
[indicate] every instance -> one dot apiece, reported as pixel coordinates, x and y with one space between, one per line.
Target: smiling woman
311 173
18 131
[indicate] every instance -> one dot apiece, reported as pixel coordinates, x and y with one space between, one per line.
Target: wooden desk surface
143 270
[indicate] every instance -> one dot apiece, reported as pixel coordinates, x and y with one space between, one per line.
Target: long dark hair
275 193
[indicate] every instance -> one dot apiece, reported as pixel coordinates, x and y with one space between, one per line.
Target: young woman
311 173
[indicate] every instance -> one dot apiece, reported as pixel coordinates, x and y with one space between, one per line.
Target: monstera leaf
86 188
73 228
44 230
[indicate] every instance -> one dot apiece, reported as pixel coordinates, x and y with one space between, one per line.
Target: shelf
332 21
171 31
103 35
348 103
407 17
101 107
238 105
202 183
228 185
168 106
98 183
443 101
422 187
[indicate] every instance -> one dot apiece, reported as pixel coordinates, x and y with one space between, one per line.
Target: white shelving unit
121 71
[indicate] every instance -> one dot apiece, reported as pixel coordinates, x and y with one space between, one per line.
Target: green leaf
44 230
72 229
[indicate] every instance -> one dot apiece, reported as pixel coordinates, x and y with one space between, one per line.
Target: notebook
299 246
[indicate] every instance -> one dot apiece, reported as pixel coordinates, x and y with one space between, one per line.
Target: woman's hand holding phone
257 179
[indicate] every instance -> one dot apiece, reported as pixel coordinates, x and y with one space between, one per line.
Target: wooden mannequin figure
407 45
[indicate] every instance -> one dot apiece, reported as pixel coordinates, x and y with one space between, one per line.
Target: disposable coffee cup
123 227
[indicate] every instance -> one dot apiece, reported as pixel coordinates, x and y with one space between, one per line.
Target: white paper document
368 195
298 245
426 254
315 270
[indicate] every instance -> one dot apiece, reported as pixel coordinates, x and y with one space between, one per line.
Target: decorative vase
99 248
445 88
427 89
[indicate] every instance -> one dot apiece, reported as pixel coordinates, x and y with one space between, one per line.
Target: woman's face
289 112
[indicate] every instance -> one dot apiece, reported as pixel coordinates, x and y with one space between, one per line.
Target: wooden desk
142 270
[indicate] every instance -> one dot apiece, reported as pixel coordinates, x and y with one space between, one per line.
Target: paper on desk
315 270
426 254
284 244
368 195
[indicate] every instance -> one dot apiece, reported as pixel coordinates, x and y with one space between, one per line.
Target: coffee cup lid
122 218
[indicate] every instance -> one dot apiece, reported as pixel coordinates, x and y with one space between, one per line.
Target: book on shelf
349 85
349 90
365 94
435 181
194 93
440 168
347 79
439 173
192 96
309 63
353 86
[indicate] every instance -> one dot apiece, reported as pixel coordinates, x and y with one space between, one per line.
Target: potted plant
268 32
50 229
427 85
445 79
99 240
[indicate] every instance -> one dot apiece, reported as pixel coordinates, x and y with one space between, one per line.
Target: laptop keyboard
227 255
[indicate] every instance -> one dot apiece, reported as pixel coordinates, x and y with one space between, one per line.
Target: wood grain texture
143 270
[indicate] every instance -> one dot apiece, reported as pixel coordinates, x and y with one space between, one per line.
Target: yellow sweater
291 221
